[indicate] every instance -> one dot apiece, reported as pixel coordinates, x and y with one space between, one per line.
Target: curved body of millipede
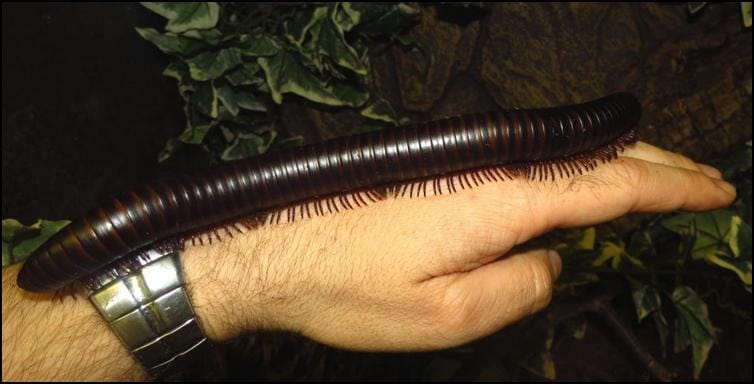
419 160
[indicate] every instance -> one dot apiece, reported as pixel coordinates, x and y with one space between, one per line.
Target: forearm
65 339
50 339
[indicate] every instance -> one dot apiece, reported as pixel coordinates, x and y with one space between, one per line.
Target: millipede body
422 159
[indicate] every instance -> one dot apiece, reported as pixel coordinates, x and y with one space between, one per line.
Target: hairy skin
399 275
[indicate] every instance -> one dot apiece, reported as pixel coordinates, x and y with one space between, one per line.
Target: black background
85 107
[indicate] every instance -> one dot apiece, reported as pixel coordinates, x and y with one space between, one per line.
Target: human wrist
212 308
222 291
261 279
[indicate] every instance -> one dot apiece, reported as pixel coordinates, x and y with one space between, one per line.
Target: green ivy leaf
732 236
712 229
609 252
228 98
349 93
646 299
738 260
587 240
575 240
285 74
247 101
345 16
209 36
194 134
211 65
318 55
184 16
615 253
197 126
172 146
316 35
663 330
246 75
179 71
228 134
13 228
640 243
693 326
171 43
708 230
258 45
719 237
332 43
746 13
248 144
19 241
384 19
296 30
380 110
206 101
741 267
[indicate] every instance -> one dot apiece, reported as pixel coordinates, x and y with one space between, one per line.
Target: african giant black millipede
419 160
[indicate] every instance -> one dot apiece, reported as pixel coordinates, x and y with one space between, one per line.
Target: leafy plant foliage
672 262
236 63
19 240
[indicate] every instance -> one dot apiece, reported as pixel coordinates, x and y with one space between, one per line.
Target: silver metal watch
148 308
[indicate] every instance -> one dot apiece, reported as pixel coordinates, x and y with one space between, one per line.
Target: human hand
427 273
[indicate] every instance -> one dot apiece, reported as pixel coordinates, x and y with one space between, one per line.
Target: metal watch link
147 306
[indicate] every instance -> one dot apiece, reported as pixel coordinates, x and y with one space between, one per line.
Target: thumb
502 292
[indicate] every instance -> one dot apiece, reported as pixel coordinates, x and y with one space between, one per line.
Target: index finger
525 209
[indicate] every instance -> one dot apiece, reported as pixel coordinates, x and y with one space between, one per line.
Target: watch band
148 308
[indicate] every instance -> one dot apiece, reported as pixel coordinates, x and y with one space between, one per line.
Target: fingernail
726 186
710 171
555 262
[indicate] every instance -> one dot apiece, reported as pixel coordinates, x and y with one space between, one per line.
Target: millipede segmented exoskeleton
424 159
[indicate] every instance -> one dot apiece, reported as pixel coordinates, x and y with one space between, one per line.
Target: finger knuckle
633 172
539 288
458 314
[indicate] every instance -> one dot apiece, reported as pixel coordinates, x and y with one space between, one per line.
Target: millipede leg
335 205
